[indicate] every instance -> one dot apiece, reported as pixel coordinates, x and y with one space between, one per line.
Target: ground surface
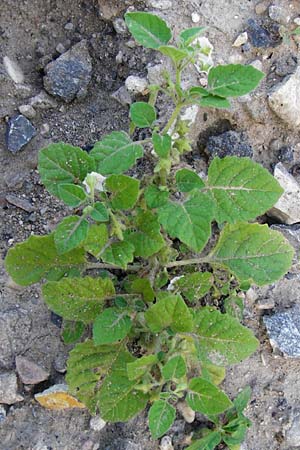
29 34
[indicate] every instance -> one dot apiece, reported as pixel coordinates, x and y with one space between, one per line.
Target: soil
30 32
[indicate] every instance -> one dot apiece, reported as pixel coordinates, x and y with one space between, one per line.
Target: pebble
29 372
195 17
57 397
297 20
2 413
21 203
60 48
69 26
43 101
68 76
232 143
262 7
166 443
279 14
45 128
187 413
136 85
257 64
241 39
155 74
97 424
27 111
13 70
120 26
122 96
258 35
160 4
9 389
19 132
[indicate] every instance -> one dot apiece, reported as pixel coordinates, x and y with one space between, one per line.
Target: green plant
137 260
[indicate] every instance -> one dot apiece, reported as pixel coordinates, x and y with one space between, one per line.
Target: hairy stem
172 119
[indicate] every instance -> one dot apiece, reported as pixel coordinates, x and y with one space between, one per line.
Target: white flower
94 181
204 59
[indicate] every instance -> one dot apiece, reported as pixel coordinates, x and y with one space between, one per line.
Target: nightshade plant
136 269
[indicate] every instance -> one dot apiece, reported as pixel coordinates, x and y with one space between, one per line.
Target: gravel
19 132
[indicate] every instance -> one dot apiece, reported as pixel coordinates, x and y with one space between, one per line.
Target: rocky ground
40 103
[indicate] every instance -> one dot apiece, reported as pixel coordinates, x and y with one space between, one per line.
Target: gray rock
136 85
29 372
97 423
259 36
279 14
122 96
20 202
43 101
292 435
166 443
68 76
292 234
229 143
9 389
160 4
27 111
13 70
69 26
2 413
284 331
120 26
19 132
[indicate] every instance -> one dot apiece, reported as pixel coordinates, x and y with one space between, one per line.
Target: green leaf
79 299
71 194
195 285
174 53
111 326
242 399
147 29
70 233
161 417
118 254
198 92
187 180
234 306
155 197
236 437
241 188
96 239
187 36
162 144
62 163
206 398
142 114
222 337
233 80
142 286
190 221
116 153
124 189
174 369
253 252
72 331
209 442
212 373
141 366
99 213
214 101
169 311
31 260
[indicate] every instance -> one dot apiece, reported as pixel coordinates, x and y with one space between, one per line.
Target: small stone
262 7
287 208
284 331
29 372
60 48
258 35
69 26
166 443
60 363
120 26
257 64
136 85
241 40
122 96
45 128
27 111
155 74
9 389
2 413
20 131
57 397
160 4
297 21
251 295
23 91
69 75
13 70
111 8
195 17
97 424
20 202
187 413
190 114
43 101
230 143
279 14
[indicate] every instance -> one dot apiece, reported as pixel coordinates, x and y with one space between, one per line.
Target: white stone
160 4
136 85
13 70
195 17
187 413
257 64
285 100
166 443
287 209
190 114
155 74
97 424
241 40
27 111
297 21
279 14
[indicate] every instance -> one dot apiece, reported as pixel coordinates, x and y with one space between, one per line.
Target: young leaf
70 233
141 366
155 197
209 442
142 114
194 286
190 221
161 417
253 252
115 153
214 101
71 194
111 326
197 92
31 260
99 213
174 369
222 337
96 239
79 299
212 373
242 399
187 36
187 180
174 53
233 80
169 311
124 189
162 144
62 163
206 398
142 286
147 29
236 437
118 254
241 188
72 331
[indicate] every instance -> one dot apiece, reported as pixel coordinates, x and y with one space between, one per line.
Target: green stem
172 119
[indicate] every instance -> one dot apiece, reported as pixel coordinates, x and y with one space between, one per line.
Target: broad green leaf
62 163
124 189
110 326
57 273
189 221
187 180
234 306
241 188
71 194
174 369
119 254
142 114
31 260
206 398
198 92
99 213
242 399
115 153
214 101
236 437
174 53
155 197
209 442
147 239
70 233
161 417
194 286
96 239
169 311
142 286
233 80
253 252
187 36
72 331
162 144
148 29
212 373
140 366
222 337
79 299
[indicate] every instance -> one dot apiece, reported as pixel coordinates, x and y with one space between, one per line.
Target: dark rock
68 76
230 143
286 154
56 319
285 66
29 372
20 203
19 132
259 36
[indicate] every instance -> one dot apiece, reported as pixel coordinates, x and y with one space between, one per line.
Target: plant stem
172 119
187 262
